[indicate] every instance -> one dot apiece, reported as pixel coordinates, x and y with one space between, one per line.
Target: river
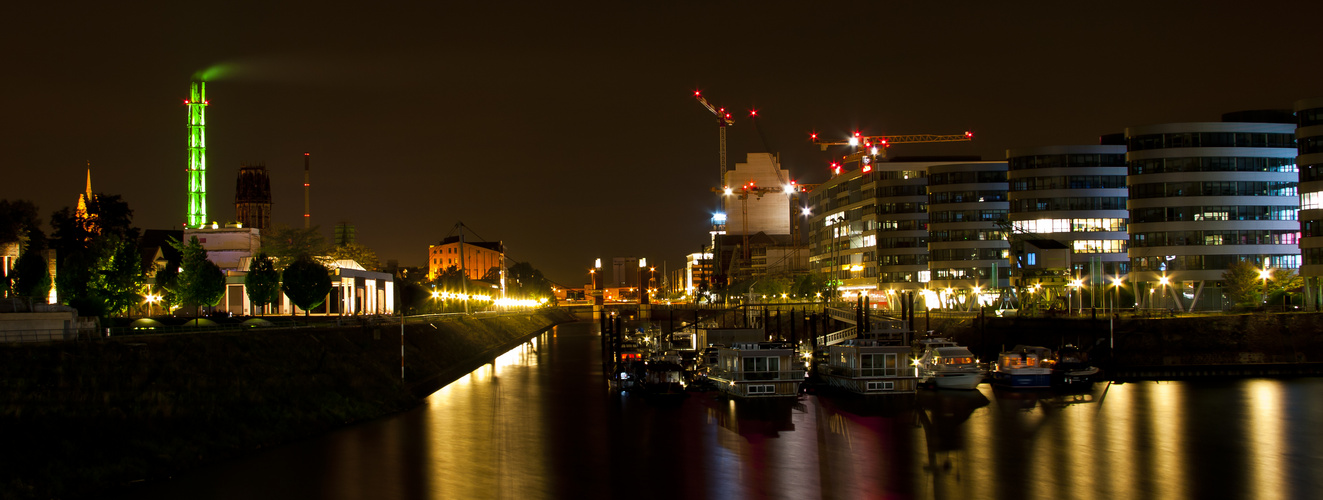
538 422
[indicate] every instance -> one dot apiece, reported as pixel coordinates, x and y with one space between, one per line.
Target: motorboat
1024 367
946 365
1072 368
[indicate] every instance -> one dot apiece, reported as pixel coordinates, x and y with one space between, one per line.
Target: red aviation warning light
813 136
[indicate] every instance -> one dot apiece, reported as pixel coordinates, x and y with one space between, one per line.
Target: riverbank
1164 348
78 418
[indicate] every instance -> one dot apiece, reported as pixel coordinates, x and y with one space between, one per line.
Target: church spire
85 215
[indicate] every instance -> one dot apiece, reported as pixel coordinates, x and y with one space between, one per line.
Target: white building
354 290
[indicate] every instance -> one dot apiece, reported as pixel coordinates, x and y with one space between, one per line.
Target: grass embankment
77 418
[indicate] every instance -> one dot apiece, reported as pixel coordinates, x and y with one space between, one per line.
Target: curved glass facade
1309 142
1204 196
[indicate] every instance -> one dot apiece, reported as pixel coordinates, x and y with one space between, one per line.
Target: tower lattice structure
197 154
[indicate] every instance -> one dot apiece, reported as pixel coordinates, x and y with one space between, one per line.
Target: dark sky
569 130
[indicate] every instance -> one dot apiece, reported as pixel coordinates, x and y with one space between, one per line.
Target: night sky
569 130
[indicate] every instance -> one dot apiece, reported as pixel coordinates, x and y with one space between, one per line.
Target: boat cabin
758 369
867 366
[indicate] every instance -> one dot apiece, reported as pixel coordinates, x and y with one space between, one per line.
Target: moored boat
1024 367
758 370
1072 368
870 367
945 365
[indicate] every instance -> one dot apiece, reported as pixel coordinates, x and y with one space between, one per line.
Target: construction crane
875 146
723 121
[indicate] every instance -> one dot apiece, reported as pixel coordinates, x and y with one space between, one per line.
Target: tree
287 245
262 281
772 287
364 256
1242 284
17 219
306 283
1283 282
449 279
88 276
810 285
32 279
122 278
523 280
201 281
168 280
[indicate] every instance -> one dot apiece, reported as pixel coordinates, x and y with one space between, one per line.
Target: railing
869 372
39 335
750 376
842 315
838 337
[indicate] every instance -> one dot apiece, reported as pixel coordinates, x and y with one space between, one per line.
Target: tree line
99 263
99 266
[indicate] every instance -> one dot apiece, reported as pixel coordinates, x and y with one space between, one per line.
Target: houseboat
758 370
870 367
1024 367
945 365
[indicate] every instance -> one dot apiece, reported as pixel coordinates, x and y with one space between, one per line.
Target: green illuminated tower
197 154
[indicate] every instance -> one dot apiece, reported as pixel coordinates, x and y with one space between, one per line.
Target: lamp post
1076 284
1163 281
1111 327
1263 275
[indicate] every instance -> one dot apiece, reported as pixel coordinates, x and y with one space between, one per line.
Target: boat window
760 364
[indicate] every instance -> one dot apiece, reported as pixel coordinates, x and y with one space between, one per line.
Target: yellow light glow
1163 281
727 191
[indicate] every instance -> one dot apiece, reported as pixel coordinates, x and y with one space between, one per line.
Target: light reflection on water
536 423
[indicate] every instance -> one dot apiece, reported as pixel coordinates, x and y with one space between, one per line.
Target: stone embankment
77 418
1284 344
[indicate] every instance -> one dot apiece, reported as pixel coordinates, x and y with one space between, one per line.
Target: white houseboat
758 370
870 367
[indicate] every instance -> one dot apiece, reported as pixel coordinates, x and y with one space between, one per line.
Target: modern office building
901 189
968 256
1309 148
869 228
1204 196
1074 195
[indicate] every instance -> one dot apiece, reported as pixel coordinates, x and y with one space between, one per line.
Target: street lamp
1263 275
1116 284
1163 281
1076 284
